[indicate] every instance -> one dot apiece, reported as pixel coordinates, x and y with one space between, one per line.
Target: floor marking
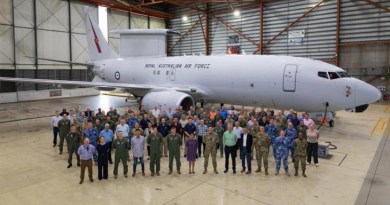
387 107
376 125
383 125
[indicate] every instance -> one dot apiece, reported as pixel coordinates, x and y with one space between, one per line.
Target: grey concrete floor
32 172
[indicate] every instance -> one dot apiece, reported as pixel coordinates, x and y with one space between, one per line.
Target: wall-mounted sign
294 41
233 39
382 88
296 34
233 50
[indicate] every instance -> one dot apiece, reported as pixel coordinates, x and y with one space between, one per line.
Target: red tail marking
96 38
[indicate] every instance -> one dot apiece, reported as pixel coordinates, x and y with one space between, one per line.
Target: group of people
92 136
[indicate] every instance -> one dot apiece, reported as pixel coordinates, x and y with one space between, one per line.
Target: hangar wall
52 29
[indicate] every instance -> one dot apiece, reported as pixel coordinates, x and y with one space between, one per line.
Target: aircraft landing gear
331 123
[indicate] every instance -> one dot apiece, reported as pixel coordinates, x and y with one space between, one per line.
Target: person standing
147 132
92 134
201 131
121 147
74 143
230 141
188 130
163 129
272 130
219 130
300 145
54 123
282 147
291 135
191 145
103 151
144 122
302 128
238 130
210 139
86 152
138 145
263 142
312 144
245 143
108 138
156 112
64 129
253 130
307 121
174 144
154 141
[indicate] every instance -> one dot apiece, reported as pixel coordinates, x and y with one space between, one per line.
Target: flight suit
302 129
78 129
220 131
282 145
217 118
74 144
273 133
64 129
110 113
182 112
121 154
211 140
300 153
155 151
262 114
142 112
114 117
99 115
208 122
103 118
253 130
291 135
263 141
92 119
174 142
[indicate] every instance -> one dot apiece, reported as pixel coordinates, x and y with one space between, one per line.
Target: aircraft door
289 78
172 74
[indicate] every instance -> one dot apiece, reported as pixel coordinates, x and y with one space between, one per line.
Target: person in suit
245 144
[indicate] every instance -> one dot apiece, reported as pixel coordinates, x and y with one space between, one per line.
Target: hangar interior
351 34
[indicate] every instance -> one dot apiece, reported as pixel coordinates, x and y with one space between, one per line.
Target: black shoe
293 160
225 171
69 166
78 164
185 155
234 171
100 179
54 145
110 162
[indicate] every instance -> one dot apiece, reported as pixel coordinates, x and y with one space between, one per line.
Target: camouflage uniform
125 116
201 116
83 126
262 143
300 153
227 121
280 125
282 145
220 131
114 117
208 122
77 125
152 119
211 140
253 130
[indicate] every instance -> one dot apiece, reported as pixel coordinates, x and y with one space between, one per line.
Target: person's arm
204 138
52 121
79 150
318 134
132 143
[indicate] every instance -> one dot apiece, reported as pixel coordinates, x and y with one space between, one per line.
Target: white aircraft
277 82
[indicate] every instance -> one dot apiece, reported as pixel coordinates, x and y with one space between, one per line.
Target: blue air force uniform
282 147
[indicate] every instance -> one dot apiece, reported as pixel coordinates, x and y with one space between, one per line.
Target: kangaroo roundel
117 75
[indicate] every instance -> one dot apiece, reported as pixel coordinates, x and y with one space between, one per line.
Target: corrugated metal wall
360 21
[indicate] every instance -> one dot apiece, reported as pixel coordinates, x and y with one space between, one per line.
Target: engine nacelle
166 99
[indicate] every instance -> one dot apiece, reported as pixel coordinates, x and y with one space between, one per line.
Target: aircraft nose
365 93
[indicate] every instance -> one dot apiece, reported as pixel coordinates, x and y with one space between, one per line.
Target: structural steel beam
337 34
364 43
261 28
292 24
193 25
377 5
206 6
201 24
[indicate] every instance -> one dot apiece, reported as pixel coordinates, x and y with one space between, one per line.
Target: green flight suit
211 141
64 129
220 131
155 152
121 154
302 129
74 140
174 142
99 127
217 117
114 117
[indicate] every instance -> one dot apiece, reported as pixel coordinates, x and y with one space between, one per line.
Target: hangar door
289 78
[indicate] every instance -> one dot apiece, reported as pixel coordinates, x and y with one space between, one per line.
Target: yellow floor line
376 126
383 125
387 107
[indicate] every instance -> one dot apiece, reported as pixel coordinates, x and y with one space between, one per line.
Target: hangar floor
32 172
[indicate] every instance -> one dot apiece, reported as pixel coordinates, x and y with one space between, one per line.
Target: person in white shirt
124 128
170 112
156 112
238 130
307 121
54 123
70 117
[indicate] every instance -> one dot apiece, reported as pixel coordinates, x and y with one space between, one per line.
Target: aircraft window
323 75
158 72
343 74
167 72
154 72
333 75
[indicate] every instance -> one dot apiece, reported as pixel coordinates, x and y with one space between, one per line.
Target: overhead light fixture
236 13
185 18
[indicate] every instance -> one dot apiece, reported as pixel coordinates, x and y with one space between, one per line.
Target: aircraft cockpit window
343 74
323 75
333 75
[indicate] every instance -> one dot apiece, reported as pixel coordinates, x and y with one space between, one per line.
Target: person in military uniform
92 118
279 123
272 130
130 110
154 140
170 121
218 117
132 132
83 126
110 122
152 118
263 142
118 122
92 134
103 116
110 113
181 111
143 111
253 130
291 135
211 140
98 126
300 145
164 116
63 128
121 147
282 145
99 114
174 144
229 120
78 127
302 128
201 114
207 120
126 115
115 116
219 130
74 144
262 113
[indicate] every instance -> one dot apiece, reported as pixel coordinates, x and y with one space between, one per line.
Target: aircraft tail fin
97 44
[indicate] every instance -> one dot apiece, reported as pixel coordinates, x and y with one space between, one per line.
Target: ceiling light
236 13
185 18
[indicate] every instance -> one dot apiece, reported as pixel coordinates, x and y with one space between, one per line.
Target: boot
303 173
296 173
287 173
258 170
266 171
178 172
215 171
205 171
277 173
170 172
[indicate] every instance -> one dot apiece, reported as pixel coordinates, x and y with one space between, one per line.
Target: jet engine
166 99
